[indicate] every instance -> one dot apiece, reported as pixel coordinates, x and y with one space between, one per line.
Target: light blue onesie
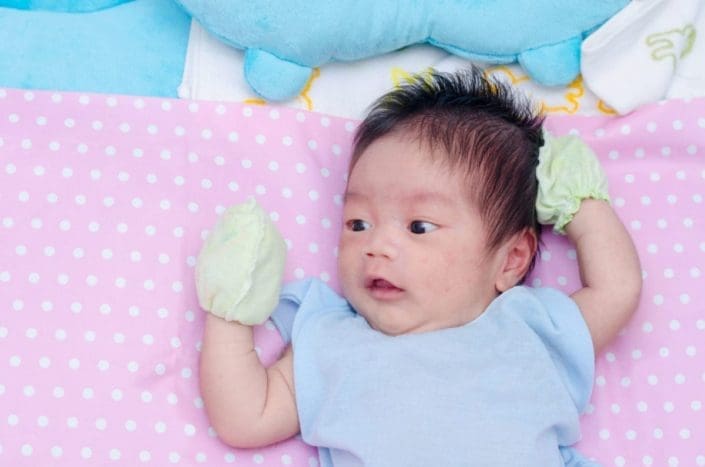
504 390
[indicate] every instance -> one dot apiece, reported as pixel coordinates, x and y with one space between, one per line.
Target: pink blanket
105 201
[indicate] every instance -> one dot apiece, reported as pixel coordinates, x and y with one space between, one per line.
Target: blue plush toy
65 6
112 46
284 40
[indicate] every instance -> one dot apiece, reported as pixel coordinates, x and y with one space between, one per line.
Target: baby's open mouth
381 285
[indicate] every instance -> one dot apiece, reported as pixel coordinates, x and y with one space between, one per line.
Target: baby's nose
382 244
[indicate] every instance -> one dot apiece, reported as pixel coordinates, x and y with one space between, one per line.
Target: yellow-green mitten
240 267
568 172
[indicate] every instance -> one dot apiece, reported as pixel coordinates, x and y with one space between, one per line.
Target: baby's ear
518 253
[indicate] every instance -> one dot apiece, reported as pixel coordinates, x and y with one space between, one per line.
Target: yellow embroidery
400 76
576 90
605 109
304 93
663 44
255 101
505 70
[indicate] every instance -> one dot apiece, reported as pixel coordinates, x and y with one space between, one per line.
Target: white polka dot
604 434
677 125
652 380
625 129
651 127
115 454
691 149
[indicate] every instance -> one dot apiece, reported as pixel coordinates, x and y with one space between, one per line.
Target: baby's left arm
573 197
609 270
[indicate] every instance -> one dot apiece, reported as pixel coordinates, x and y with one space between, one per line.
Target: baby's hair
483 128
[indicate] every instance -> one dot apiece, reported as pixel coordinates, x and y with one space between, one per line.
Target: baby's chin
394 328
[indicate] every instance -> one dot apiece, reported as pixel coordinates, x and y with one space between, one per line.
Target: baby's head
439 214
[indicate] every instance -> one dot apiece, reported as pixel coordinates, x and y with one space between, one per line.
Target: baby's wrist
586 218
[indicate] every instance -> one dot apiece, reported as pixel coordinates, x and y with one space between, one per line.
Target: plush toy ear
274 78
553 65
518 253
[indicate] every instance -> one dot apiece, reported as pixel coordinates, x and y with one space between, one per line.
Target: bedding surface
104 204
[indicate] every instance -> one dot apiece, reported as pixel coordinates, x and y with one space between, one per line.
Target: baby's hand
240 267
568 173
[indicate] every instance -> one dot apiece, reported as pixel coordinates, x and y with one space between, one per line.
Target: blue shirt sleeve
290 298
558 322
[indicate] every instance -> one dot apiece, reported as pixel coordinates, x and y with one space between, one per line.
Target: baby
437 355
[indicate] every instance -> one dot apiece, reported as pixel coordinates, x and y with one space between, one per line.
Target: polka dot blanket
105 202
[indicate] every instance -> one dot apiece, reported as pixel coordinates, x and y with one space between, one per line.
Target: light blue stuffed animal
64 6
285 39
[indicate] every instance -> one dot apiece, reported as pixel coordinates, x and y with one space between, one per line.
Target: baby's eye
422 227
357 225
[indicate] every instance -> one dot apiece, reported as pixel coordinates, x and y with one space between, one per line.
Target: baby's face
412 254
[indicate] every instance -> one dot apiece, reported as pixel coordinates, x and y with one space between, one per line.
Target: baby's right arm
248 405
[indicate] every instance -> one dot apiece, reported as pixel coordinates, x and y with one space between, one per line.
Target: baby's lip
381 284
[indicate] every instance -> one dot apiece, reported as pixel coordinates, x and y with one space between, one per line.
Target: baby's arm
573 193
609 270
238 280
248 405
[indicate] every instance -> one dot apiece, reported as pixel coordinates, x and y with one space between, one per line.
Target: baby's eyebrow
414 198
353 195
429 197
